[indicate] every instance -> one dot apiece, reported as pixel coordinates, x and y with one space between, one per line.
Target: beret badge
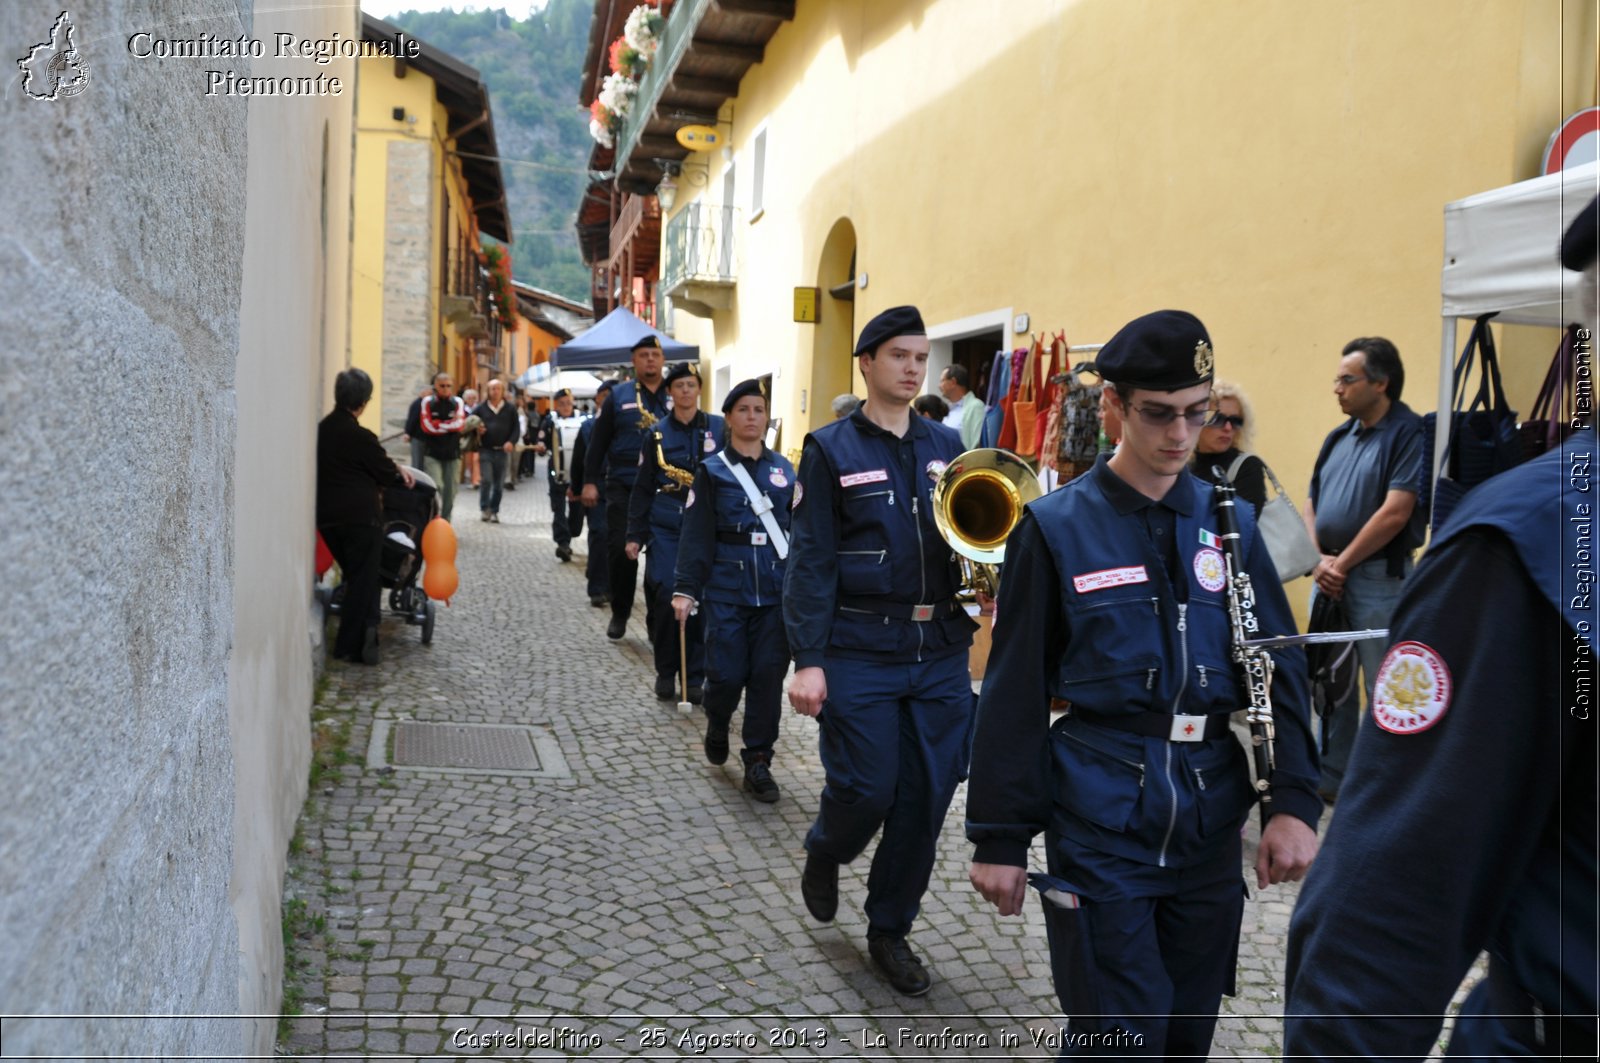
1203 359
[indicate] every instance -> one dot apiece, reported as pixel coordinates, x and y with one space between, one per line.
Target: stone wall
120 235
408 285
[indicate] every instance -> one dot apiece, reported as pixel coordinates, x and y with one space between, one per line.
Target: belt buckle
758 538
922 613
1187 729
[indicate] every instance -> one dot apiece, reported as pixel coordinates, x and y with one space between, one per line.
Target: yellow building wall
378 93
1278 168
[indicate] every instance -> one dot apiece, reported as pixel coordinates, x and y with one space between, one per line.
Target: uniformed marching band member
879 642
1468 818
613 459
730 568
596 569
674 449
1113 599
556 434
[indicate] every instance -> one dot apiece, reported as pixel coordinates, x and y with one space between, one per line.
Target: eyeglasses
1165 415
1220 419
1344 380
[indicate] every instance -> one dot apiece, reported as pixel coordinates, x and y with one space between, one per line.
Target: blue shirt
1362 465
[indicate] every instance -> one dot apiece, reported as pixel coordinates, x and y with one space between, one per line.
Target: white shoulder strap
1233 470
760 503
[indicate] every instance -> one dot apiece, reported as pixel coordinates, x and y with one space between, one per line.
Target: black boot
899 965
758 782
819 887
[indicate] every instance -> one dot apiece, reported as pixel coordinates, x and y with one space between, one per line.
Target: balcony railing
675 39
636 210
699 248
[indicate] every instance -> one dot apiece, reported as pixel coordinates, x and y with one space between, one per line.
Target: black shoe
819 887
599 601
716 743
696 695
616 629
511 487
899 965
369 647
564 553
758 782
666 688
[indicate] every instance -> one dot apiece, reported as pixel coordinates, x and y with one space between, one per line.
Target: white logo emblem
710 443
1209 569
689 501
799 493
1090 582
778 478
54 69
1412 692
936 469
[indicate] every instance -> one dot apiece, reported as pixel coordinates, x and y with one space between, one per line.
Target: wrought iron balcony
701 266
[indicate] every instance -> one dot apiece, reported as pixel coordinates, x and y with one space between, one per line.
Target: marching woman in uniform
673 449
730 566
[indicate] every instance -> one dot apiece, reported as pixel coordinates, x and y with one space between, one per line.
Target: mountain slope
532 68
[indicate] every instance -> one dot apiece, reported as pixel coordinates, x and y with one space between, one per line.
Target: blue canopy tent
611 340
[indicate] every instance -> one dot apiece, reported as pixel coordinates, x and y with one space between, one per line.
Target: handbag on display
1026 407
1483 437
1550 421
1283 532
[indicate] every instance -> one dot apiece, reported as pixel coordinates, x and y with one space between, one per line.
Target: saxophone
681 479
1254 662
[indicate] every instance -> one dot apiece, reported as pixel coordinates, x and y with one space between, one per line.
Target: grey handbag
1282 530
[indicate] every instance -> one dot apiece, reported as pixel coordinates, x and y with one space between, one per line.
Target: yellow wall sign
699 138
805 304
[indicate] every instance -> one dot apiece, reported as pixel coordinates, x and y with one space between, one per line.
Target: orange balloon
440 580
439 542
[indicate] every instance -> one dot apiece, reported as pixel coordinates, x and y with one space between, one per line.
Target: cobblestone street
633 896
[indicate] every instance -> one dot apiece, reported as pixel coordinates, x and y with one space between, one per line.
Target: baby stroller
406 512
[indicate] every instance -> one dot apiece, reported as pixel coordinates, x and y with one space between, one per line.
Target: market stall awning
611 341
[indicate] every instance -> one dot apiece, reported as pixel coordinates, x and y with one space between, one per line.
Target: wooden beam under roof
781 9
738 53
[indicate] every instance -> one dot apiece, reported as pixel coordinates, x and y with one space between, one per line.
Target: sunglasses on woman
1220 419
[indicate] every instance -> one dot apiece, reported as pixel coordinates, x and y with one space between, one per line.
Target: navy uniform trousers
566 521
661 557
895 740
746 650
1144 973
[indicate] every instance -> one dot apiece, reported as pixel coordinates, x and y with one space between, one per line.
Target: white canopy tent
543 385
1500 251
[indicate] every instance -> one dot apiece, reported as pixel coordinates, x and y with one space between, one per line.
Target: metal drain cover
468 748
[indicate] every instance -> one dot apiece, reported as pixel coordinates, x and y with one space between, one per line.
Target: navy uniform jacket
613 452
655 505
1089 611
718 560
864 537
1468 819
545 429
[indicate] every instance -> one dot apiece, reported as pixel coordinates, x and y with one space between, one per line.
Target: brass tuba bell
977 501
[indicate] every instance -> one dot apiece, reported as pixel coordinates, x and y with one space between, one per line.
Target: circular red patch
1412 691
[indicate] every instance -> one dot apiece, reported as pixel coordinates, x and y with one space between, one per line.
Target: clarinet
1254 664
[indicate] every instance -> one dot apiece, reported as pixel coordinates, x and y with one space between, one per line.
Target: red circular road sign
1575 143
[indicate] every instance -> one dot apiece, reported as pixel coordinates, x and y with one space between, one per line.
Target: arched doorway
832 369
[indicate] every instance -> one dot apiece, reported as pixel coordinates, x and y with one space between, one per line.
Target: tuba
977 501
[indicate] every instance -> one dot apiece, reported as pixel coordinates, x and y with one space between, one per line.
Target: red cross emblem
1188 728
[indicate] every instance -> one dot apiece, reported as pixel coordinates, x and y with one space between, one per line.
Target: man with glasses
1113 599
613 454
1362 514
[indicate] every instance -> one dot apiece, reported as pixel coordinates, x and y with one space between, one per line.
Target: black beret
605 385
1168 350
649 339
753 386
1578 246
895 321
564 393
681 370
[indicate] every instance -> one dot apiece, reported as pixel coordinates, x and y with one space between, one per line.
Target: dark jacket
499 428
352 469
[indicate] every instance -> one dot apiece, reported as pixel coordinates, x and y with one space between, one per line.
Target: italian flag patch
1211 539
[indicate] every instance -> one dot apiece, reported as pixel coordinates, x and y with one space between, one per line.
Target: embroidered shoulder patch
1412 691
1090 582
1209 569
871 476
799 493
689 501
